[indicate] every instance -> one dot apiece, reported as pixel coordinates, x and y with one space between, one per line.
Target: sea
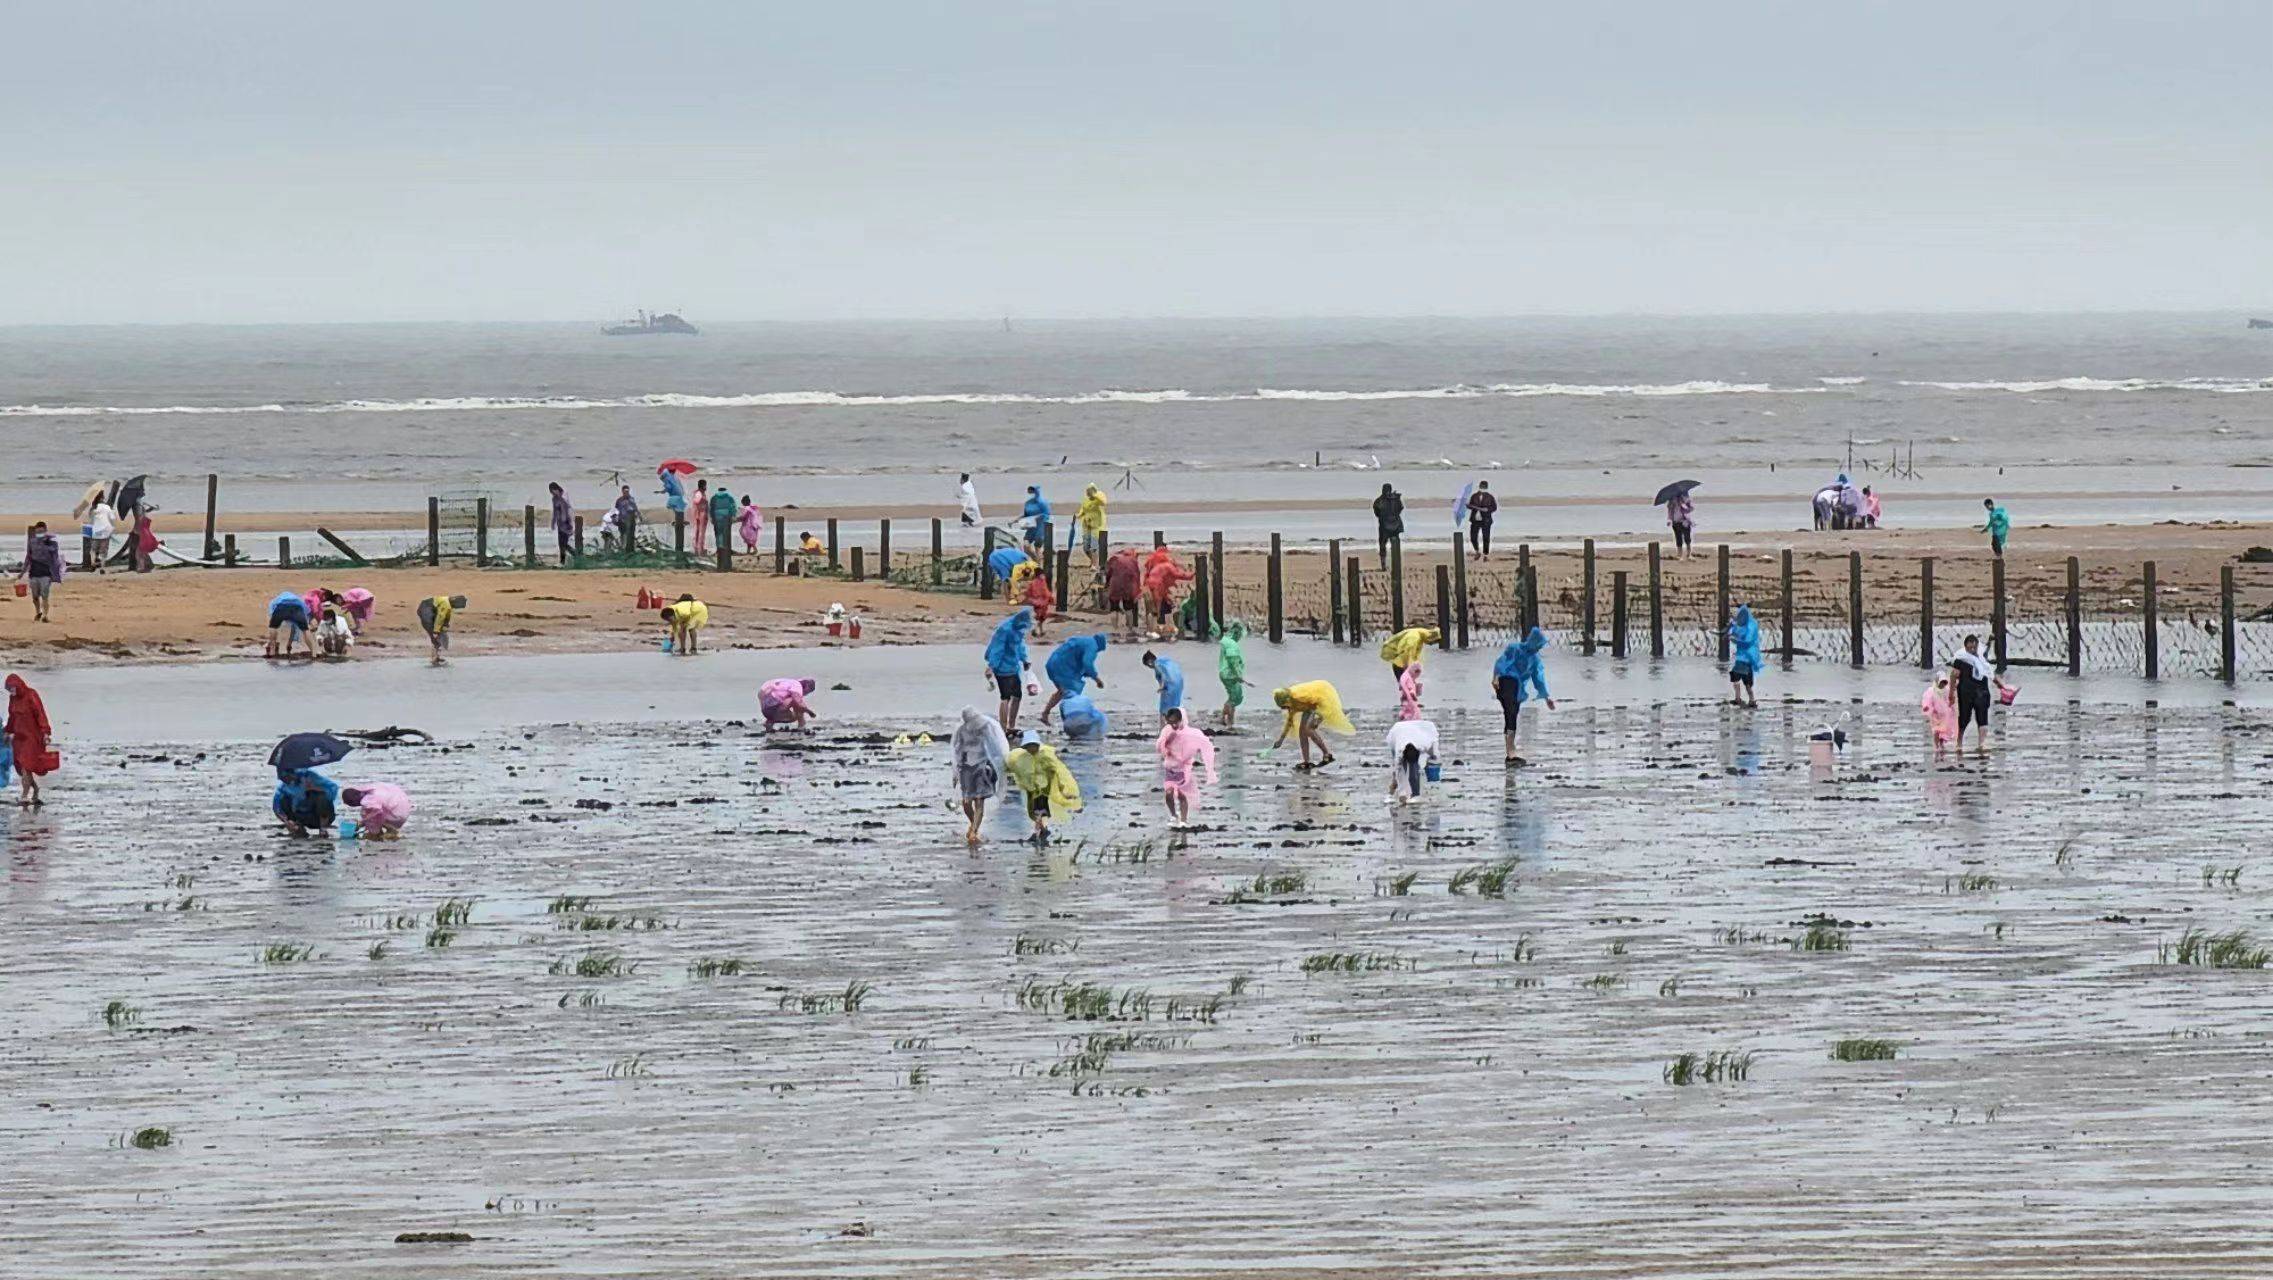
370 416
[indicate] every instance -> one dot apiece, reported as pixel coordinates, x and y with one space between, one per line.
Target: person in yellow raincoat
1403 648
1051 792
1090 515
1014 590
685 617
1311 706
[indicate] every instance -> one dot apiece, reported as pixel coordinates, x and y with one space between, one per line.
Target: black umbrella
307 751
129 496
1677 489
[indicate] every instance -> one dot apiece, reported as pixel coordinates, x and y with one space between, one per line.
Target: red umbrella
680 465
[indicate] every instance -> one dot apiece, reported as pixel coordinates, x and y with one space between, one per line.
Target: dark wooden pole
679 536
938 556
1720 599
1657 603
884 551
1396 584
212 512
2075 616
1997 610
433 531
1334 586
1357 603
1202 579
1274 591
1926 612
284 553
481 533
1065 579
834 560
1586 606
781 544
1215 583
1159 539
1618 613
528 537
1787 610
986 570
2153 610
1444 606
2226 623
1526 586
229 550
577 545
859 564
1855 606
1460 589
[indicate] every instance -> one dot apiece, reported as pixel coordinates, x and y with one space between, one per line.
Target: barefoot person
288 624
305 801
1124 583
1007 664
686 617
1181 746
1310 707
782 702
1071 666
563 520
1168 674
434 615
30 740
1412 747
982 757
1519 671
1743 657
381 810
1231 669
43 568
1404 648
1050 790
1975 679
1939 706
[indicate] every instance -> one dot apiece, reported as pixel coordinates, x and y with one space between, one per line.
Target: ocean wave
838 399
2218 385
1842 382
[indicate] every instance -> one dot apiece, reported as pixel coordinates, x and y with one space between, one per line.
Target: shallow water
2062 1104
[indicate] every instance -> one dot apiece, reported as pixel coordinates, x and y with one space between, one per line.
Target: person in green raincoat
1051 792
1231 668
723 510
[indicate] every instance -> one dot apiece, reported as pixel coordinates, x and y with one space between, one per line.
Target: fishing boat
660 322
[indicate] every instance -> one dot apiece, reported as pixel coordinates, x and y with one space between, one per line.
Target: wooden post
529 537
86 553
229 551
354 557
284 553
433 531
986 571
1997 610
2153 608
2226 623
1787 610
1460 589
1065 580
1357 603
628 532
1526 588
2075 616
1159 539
1334 586
1396 584
1200 601
1215 556
834 560
577 544
1855 606
212 512
859 564
884 550
1657 604
781 544
1274 592
726 555
938 559
1926 612
1444 606
1720 600
1618 613
1586 608
679 536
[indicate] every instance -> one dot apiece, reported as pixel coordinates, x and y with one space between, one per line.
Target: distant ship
2255 323
661 322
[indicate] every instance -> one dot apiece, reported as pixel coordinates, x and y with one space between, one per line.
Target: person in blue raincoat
1743 657
1036 514
674 493
1007 663
1169 674
1519 672
1004 562
304 801
1082 719
1071 666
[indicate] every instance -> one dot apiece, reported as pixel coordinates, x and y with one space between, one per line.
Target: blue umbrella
1460 508
307 751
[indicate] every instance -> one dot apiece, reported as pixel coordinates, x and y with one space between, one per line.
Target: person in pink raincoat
1939 705
359 602
383 809
1409 691
1181 747
782 701
753 522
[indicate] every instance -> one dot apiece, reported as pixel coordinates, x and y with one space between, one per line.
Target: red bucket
836 628
23 589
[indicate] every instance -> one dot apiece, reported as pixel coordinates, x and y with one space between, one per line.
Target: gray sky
548 159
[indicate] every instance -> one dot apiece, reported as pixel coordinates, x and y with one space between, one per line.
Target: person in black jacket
1389 519
1482 506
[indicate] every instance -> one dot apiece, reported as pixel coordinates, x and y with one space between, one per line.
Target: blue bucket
1435 772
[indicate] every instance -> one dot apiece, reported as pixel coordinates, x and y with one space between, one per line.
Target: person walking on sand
1977 683
1162 577
1403 648
1412 747
1090 515
967 495
1007 665
101 524
1939 706
31 740
1388 519
1681 517
686 617
1071 666
782 702
982 760
1050 790
1231 669
627 521
563 520
382 809
288 624
43 568
434 615
1181 746
753 523
1743 657
1310 707
1999 526
1168 674
1521 670
699 507
1036 518
1482 508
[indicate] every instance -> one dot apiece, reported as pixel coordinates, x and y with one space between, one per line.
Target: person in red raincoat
1041 599
1161 574
1124 581
29 735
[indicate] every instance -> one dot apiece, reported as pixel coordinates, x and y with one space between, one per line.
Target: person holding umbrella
306 801
1680 514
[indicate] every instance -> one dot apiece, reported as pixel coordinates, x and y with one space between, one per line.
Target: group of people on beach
327 623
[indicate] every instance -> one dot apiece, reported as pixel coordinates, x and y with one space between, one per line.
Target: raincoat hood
1006 650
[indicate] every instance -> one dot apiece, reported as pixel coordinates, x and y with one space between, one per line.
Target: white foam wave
2038 386
1842 382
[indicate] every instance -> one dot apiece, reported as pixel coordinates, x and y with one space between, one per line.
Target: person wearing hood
782 702
1007 663
1090 515
753 522
304 801
31 740
563 520
1124 584
1040 597
434 615
1412 747
1743 657
1404 648
43 568
288 624
1310 707
1050 789
967 495
1871 508
143 540
1231 669
1389 519
627 521
1004 564
1035 515
674 490
359 603
1998 526
721 517
1084 721
1939 706
686 617
1520 671
1181 746
982 761
1409 691
1168 674
1071 666
382 808
1162 575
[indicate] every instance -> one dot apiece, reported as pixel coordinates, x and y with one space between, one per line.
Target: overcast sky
546 159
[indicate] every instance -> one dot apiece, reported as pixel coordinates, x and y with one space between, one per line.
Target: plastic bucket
2006 695
1435 772
23 589
836 628
852 628
349 829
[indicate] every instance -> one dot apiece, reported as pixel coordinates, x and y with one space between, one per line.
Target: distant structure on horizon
660 322
2256 323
